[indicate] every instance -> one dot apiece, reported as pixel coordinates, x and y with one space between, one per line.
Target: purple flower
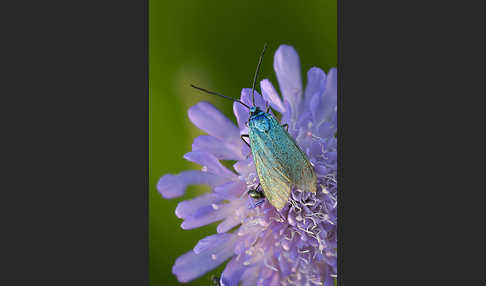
264 246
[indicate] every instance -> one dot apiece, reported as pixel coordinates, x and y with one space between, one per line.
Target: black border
410 75
76 125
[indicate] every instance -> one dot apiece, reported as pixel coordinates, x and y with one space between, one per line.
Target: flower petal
231 190
172 186
206 117
232 273
245 149
210 242
216 211
329 281
228 223
209 161
328 100
189 207
247 99
191 265
330 95
316 84
327 129
271 96
305 118
250 276
241 113
286 64
287 118
204 216
244 167
317 109
267 277
238 209
220 149
316 81
284 266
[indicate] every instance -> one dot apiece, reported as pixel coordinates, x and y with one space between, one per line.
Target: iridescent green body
279 161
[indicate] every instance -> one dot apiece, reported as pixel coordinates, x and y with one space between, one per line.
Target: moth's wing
280 163
276 185
294 161
300 170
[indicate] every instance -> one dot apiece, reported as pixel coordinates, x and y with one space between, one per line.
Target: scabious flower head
265 246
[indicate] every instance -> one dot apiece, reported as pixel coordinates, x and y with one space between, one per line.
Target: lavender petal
219 148
232 273
245 167
189 207
287 117
287 67
241 113
329 97
250 276
172 186
247 99
229 223
211 242
210 162
271 95
191 265
329 281
231 190
204 216
207 118
212 213
316 83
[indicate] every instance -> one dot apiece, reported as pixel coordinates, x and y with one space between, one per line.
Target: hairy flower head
265 246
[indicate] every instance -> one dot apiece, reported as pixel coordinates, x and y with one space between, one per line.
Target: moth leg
268 106
286 126
255 193
246 136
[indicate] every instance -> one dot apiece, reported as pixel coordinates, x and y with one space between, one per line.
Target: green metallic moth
279 161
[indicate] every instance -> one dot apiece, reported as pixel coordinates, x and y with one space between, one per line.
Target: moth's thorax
260 120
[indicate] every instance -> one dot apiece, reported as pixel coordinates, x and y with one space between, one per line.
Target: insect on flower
264 245
279 161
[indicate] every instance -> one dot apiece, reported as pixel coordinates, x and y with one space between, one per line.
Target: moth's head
254 110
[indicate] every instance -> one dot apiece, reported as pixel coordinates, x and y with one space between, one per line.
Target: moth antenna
256 73
219 94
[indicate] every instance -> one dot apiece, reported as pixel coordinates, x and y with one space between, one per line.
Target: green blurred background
214 44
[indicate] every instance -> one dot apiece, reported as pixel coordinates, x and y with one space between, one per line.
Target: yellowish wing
275 184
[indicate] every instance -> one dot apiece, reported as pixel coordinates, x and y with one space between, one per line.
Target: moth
279 161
